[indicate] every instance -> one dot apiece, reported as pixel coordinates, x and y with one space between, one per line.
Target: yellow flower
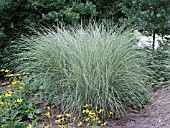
60 115
74 118
100 110
63 119
17 74
2 70
87 119
57 121
14 82
9 86
104 124
86 111
47 114
68 115
24 76
7 95
110 113
10 75
29 126
4 83
47 126
62 126
86 105
27 110
19 100
95 118
6 70
48 107
20 87
91 112
79 124
10 92
1 103
1 96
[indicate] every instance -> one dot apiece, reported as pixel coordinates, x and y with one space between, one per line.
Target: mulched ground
155 115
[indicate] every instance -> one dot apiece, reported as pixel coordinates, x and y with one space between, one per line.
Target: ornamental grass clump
94 64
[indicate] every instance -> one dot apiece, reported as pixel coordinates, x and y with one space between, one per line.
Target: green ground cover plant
159 65
17 110
94 64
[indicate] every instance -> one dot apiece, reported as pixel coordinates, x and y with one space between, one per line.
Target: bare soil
155 115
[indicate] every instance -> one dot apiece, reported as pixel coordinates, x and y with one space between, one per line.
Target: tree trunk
153 42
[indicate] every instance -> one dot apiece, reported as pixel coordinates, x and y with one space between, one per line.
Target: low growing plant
16 108
159 64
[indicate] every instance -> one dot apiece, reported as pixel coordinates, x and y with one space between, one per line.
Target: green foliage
95 65
19 16
160 65
16 108
109 9
14 17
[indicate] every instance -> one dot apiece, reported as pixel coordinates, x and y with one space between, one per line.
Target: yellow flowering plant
65 120
15 106
91 117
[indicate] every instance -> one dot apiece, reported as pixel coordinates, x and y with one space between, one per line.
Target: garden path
155 115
